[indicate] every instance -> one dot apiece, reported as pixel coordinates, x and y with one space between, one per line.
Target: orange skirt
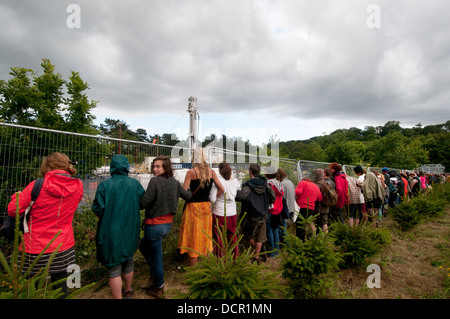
196 226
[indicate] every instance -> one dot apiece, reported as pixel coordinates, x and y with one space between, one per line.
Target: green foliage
224 278
420 208
309 265
358 243
405 215
389 145
38 100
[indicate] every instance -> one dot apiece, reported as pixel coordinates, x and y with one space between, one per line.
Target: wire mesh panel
306 168
240 162
22 150
349 170
433 169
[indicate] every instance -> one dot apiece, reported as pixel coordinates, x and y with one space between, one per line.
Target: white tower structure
193 134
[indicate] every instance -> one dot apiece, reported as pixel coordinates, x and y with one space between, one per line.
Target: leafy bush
230 277
428 205
309 265
358 243
406 215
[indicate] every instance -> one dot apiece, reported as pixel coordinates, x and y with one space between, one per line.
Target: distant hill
388 145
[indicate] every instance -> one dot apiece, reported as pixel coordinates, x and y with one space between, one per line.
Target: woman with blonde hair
196 224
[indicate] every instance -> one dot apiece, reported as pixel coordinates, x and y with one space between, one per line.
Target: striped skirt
196 226
60 263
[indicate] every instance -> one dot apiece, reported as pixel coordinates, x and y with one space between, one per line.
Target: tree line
389 145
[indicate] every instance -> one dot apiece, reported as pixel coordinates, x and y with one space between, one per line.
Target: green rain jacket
116 204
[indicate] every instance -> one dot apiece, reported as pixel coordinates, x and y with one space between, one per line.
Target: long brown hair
166 165
225 170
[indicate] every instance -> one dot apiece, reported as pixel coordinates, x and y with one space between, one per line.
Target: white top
361 178
231 187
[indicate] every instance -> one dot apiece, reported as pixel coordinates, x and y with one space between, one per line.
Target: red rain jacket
52 211
341 189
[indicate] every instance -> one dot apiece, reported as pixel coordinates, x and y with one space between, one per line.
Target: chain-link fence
23 148
433 169
306 168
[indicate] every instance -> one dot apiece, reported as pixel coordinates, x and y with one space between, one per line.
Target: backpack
329 195
392 188
256 205
277 206
9 224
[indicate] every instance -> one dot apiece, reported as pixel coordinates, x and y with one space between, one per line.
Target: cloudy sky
290 68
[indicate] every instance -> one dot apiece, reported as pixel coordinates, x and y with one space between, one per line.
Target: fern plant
230 276
359 243
309 265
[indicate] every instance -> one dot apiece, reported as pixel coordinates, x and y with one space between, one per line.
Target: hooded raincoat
52 212
116 204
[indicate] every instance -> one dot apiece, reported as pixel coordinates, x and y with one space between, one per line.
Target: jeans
152 250
282 230
273 236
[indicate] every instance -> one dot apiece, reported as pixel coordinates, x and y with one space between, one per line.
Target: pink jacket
53 211
341 189
306 194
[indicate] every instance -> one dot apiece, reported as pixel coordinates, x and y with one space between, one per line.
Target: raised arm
218 184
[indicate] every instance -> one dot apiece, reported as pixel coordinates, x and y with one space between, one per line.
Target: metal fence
433 169
23 148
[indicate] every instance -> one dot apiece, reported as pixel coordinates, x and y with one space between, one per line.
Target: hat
270 170
385 169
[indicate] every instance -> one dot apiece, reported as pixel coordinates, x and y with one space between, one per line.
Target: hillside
389 145
414 266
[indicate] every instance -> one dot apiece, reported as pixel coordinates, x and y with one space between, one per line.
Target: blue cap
385 169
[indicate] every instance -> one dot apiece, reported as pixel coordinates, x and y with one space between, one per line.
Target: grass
414 266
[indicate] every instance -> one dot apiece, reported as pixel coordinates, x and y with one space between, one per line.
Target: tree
396 151
78 117
18 97
37 100
50 88
390 127
438 147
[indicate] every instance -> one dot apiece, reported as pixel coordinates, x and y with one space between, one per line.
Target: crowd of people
269 202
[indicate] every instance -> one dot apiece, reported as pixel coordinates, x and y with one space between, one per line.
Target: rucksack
9 224
392 188
256 205
329 195
277 206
